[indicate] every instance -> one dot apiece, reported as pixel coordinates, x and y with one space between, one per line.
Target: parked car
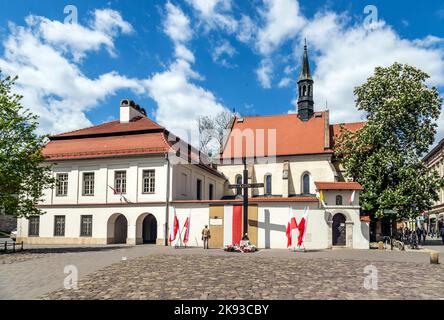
13 234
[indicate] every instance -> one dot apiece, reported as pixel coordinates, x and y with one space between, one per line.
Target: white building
121 181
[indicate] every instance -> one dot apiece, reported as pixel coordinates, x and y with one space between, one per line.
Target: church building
123 181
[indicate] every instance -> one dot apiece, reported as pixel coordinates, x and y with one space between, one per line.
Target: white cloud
285 82
53 86
221 52
177 27
282 21
247 29
215 14
180 101
345 56
265 73
77 40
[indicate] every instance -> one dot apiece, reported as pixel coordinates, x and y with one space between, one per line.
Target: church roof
293 136
338 185
335 129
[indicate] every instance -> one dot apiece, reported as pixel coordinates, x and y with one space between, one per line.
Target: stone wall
7 223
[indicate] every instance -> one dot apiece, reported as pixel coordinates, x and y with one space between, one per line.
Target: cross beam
245 186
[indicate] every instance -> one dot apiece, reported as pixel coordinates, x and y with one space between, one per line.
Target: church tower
305 89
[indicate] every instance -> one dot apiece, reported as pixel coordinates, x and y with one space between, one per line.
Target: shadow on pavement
69 249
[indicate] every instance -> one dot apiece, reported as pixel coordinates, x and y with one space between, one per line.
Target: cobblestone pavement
246 276
156 272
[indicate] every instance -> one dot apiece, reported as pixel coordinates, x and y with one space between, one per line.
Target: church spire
305 89
305 70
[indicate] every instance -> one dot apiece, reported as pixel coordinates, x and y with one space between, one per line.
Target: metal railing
11 246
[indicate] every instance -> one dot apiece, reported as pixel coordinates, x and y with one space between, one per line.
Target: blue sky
184 58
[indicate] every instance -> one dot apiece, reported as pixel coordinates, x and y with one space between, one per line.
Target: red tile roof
335 129
99 147
138 124
293 136
338 185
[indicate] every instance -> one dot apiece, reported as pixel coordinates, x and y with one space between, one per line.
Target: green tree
385 156
23 175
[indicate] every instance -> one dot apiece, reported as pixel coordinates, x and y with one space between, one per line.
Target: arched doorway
149 229
339 230
120 229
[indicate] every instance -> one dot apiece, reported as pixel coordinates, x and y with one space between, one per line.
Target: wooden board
252 223
217 231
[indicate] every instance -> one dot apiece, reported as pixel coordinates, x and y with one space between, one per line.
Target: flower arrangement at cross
241 248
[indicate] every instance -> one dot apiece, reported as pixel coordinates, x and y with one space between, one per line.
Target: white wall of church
318 167
273 219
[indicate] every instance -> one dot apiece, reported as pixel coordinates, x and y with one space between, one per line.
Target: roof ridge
277 115
77 130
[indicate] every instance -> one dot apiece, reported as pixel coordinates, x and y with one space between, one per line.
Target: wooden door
339 230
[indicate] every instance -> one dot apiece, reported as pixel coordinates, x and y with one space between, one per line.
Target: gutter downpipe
167 200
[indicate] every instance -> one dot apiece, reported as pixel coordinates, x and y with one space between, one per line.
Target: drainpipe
167 200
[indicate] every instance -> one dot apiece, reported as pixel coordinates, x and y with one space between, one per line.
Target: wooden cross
245 186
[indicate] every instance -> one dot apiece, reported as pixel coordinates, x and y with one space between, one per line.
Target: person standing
442 234
206 236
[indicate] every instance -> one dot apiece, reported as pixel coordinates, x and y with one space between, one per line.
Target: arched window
308 90
306 183
339 200
304 91
238 181
267 185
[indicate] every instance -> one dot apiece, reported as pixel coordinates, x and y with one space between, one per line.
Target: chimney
129 110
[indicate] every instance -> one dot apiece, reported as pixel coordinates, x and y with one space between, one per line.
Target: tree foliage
23 175
385 156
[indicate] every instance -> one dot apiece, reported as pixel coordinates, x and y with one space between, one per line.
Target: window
306 183
149 180
199 189
339 200
120 181
34 226
239 181
88 183
62 184
210 191
86 225
268 184
59 226
184 184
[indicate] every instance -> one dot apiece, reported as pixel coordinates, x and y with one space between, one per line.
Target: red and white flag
232 224
186 228
175 228
352 198
291 228
303 227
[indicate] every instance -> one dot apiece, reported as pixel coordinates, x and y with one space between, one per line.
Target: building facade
123 182
434 161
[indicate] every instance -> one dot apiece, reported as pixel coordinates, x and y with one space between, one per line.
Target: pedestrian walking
206 236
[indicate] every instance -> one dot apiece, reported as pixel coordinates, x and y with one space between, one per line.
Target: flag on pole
302 227
352 198
320 196
232 224
291 226
186 227
175 228
122 197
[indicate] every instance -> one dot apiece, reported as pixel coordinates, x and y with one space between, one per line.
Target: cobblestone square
153 272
